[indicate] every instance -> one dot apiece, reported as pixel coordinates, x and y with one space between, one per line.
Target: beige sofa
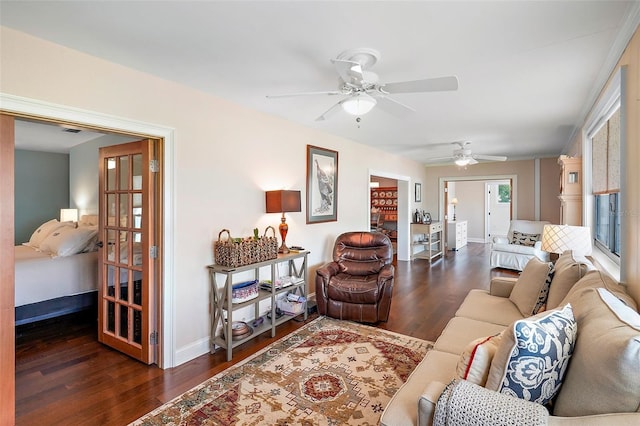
602 382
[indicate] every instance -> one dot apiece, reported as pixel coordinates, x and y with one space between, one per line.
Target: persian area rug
328 372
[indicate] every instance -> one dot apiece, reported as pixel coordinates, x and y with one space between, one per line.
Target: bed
56 272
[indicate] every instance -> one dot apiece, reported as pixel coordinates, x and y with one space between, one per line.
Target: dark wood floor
64 376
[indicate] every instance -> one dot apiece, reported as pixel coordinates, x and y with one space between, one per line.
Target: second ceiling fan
462 156
362 91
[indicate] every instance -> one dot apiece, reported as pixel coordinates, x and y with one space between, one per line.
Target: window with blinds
606 184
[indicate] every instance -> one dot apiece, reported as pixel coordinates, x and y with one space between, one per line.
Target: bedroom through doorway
34 135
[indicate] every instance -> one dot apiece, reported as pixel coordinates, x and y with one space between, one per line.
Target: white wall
470 195
225 157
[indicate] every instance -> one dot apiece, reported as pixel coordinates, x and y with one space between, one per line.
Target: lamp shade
68 215
282 201
359 105
559 238
454 201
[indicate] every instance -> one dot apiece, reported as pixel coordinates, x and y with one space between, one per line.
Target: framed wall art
322 185
418 193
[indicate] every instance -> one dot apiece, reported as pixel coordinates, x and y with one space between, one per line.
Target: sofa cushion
533 356
604 374
482 306
529 293
460 331
406 406
524 239
354 288
475 361
568 270
514 248
597 279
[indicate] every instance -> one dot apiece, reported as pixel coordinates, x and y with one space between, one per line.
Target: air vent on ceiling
71 130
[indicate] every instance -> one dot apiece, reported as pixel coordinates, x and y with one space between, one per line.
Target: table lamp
282 201
68 215
559 238
454 201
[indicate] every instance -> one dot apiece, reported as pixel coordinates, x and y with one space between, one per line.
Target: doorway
402 209
473 203
40 111
498 211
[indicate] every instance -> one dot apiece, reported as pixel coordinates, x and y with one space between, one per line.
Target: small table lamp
68 215
454 201
282 201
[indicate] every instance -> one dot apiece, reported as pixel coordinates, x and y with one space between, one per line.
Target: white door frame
404 249
55 112
482 178
487 201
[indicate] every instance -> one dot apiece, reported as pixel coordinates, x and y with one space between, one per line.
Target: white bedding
40 277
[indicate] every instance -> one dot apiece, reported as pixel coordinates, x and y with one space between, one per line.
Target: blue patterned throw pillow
533 356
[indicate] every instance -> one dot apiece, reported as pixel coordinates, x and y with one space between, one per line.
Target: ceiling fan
362 91
462 156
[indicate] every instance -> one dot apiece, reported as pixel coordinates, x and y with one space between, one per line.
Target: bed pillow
44 230
534 354
92 245
475 361
88 220
67 241
530 292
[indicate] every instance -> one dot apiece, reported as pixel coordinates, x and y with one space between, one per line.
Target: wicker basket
233 253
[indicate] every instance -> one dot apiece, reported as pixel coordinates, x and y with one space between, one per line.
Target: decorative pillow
88 220
475 360
604 374
533 356
44 231
529 293
523 239
67 241
568 270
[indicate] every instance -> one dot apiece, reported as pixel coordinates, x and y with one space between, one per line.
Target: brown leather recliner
357 285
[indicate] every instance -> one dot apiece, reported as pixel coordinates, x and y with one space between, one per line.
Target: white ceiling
528 71
35 136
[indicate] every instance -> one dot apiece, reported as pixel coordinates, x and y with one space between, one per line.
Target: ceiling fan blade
439 159
289 95
391 106
427 85
489 157
331 111
349 71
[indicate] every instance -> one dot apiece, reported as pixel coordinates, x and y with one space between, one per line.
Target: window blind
605 163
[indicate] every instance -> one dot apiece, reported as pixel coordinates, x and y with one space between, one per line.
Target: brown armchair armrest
328 270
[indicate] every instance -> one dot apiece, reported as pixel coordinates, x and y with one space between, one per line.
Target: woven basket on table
234 253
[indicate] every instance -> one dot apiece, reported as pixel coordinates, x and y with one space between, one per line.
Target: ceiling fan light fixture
462 161
359 105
